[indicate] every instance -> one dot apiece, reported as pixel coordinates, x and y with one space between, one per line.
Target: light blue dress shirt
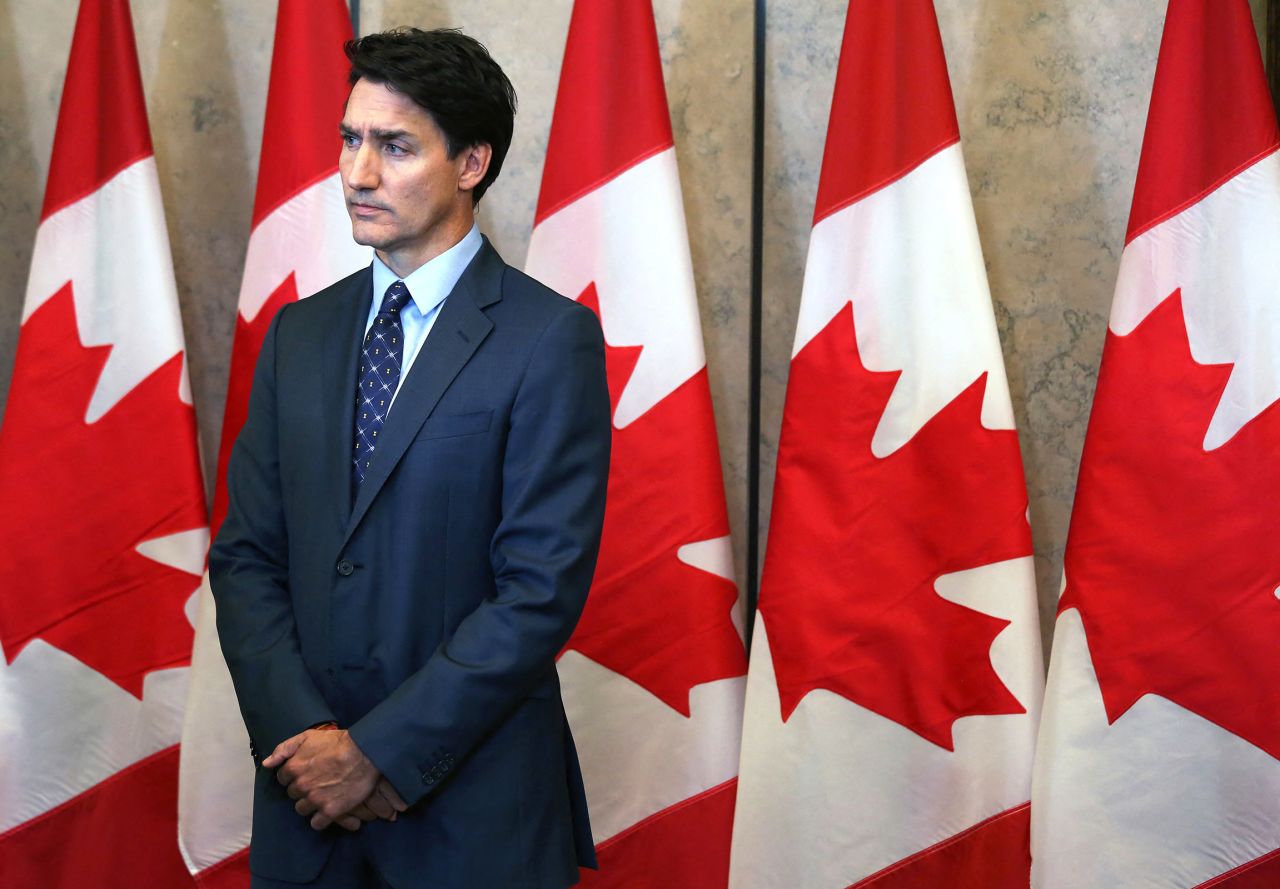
428 286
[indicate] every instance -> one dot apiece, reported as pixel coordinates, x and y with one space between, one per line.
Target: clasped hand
332 781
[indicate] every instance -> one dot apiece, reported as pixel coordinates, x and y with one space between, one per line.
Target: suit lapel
454 338
339 355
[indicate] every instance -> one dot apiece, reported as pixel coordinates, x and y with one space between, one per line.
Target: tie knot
394 299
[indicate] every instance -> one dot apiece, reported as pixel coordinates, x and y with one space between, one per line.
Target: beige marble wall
1051 97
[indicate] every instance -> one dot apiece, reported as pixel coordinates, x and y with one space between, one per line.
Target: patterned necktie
380 362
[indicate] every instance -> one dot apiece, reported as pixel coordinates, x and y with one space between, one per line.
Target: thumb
390 795
285 749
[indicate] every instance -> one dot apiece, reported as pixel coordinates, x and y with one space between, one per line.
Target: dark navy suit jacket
425 615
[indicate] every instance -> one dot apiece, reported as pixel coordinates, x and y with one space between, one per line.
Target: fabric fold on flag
101 504
652 678
1159 755
895 677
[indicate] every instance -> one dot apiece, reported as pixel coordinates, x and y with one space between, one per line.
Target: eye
350 140
396 150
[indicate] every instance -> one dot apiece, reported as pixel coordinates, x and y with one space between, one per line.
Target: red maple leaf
244 357
78 498
1173 559
663 624
857 543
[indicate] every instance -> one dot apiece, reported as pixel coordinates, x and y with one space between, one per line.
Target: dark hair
454 79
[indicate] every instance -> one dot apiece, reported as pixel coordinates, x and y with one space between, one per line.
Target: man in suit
416 501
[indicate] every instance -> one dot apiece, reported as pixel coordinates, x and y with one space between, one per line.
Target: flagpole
355 18
757 291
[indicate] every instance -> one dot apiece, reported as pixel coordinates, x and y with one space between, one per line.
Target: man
415 510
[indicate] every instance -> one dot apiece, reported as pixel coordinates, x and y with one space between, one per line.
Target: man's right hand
383 802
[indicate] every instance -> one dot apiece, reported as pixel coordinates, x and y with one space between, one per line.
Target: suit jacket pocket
450 425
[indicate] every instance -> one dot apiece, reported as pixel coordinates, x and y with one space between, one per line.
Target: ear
475 164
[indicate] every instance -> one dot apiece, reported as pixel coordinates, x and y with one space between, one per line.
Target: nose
362 171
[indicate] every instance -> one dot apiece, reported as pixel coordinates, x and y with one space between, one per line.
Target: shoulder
540 306
355 286
347 297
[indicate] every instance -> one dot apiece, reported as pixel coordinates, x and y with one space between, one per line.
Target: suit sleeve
248 573
544 550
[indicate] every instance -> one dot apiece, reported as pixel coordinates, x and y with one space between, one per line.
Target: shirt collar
432 281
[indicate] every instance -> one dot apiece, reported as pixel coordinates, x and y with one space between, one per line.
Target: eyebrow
380 135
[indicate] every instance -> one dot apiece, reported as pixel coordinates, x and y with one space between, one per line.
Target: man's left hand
325 772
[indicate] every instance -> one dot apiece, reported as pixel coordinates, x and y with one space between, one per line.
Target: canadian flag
653 676
102 508
896 669
1159 757
300 243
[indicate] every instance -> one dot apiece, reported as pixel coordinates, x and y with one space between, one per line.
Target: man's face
402 191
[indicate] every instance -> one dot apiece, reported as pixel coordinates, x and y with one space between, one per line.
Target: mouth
365 210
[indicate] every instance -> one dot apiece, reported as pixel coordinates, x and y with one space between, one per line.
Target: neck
409 258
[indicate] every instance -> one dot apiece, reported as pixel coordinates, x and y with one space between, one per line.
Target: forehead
378 106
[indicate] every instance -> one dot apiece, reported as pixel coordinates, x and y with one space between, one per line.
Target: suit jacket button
345 568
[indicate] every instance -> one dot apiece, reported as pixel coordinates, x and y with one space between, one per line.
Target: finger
378 805
285 749
389 793
364 813
349 822
287 773
293 791
319 821
305 807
